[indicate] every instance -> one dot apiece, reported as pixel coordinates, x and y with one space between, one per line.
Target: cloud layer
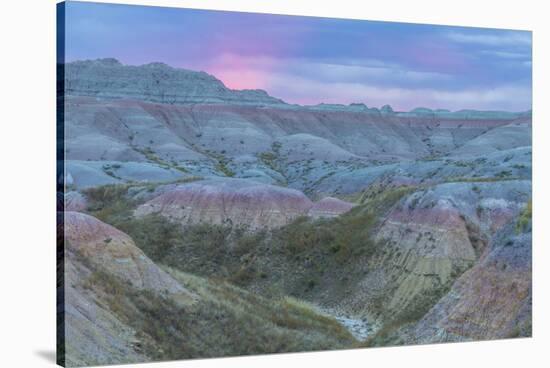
310 60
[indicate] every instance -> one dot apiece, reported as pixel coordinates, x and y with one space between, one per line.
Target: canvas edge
60 180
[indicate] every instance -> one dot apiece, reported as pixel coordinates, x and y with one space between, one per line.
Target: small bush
153 234
246 242
524 219
224 169
106 195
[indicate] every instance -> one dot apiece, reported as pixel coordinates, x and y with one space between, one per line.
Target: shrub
153 234
246 242
221 166
106 195
524 219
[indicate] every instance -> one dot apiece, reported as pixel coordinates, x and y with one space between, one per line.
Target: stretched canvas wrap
237 183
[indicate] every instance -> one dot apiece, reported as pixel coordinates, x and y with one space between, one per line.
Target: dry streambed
360 328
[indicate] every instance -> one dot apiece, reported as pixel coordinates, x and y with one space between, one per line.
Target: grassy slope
225 321
318 260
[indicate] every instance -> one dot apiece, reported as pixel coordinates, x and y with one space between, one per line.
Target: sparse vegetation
502 176
380 267
389 333
347 236
221 166
221 162
524 219
271 159
109 170
111 203
298 259
224 321
151 156
102 195
292 260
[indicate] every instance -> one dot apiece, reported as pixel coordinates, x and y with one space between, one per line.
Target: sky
310 60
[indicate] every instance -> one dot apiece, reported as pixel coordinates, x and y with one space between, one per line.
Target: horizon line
348 104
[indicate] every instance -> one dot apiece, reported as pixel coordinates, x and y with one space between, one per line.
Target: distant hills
159 82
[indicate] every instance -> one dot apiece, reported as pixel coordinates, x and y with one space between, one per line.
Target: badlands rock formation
188 122
413 221
229 201
94 334
75 201
432 237
329 207
108 78
119 307
114 252
490 301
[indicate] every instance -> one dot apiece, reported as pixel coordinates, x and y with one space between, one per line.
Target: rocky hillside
117 130
121 308
95 252
196 210
229 201
155 82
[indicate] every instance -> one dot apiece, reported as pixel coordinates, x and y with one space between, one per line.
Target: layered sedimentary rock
448 254
430 238
94 253
424 250
114 252
492 300
229 201
93 334
329 207
163 120
307 148
157 123
156 82
513 135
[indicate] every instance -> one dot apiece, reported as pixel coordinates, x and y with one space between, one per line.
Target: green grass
501 176
105 195
221 162
204 249
343 237
111 203
222 167
382 197
225 321
525 218
298 260
268 157
272 158
389 333
151 156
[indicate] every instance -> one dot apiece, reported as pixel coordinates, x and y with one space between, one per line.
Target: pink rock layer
330 207
229 201
114 252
